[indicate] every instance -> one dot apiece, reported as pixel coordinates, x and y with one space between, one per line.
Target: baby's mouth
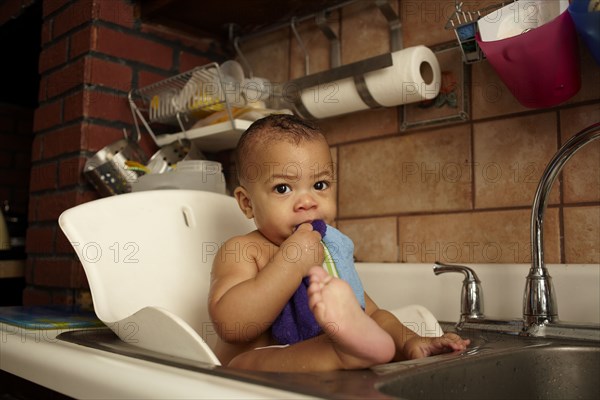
318 225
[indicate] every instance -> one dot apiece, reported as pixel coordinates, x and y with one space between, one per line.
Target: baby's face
289 185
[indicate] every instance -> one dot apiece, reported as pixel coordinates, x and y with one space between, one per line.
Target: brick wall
93 53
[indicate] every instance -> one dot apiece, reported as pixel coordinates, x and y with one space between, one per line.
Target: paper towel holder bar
344 71
363 91
354 70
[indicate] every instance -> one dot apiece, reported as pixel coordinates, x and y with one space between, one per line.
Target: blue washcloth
341 249
296 321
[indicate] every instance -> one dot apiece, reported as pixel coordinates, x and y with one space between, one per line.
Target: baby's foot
357 339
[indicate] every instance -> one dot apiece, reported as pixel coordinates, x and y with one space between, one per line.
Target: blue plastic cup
587 25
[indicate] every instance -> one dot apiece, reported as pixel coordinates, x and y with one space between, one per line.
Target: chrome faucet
540 311
471 298
539 302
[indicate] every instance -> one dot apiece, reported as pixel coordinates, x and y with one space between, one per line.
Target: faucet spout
539 302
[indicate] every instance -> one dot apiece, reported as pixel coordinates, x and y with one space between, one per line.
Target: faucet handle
471 299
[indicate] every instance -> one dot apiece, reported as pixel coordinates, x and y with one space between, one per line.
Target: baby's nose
305 202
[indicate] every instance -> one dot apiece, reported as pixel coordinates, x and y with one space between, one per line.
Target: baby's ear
241 195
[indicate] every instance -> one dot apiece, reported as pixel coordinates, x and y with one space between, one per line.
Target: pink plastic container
539 67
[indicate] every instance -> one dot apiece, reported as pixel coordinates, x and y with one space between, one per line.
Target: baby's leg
352 340
357 339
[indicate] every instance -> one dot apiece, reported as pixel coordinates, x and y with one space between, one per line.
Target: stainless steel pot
167 156
106 170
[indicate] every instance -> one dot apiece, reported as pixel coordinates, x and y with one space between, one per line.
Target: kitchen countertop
30 348
83 372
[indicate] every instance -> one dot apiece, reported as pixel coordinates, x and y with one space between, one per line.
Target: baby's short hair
275 127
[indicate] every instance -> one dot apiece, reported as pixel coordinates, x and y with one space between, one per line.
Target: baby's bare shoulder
252 248
249 245
248 241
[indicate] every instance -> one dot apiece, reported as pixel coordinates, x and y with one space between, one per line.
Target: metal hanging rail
281 25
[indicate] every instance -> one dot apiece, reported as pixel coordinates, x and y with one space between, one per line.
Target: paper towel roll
334 98
414 76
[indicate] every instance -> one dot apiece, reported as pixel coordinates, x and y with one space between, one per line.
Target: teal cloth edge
341 249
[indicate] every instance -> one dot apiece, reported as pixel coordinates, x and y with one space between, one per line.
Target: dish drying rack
181 101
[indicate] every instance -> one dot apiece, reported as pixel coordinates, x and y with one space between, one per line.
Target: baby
287 181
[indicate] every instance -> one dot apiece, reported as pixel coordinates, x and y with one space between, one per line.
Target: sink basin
544 371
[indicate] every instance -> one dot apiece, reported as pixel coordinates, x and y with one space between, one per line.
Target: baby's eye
321 185
282 189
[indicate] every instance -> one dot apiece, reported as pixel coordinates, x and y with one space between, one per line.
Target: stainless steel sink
495 366
536 371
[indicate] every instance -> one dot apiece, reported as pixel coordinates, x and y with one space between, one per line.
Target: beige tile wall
456 193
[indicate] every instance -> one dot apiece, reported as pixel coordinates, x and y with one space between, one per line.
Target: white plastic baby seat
147 257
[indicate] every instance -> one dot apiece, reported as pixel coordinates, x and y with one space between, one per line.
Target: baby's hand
303 248
419 347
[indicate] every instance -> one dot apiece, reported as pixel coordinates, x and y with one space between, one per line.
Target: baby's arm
244 298
409 345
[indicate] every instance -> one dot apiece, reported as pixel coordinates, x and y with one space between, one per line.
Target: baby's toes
317 273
